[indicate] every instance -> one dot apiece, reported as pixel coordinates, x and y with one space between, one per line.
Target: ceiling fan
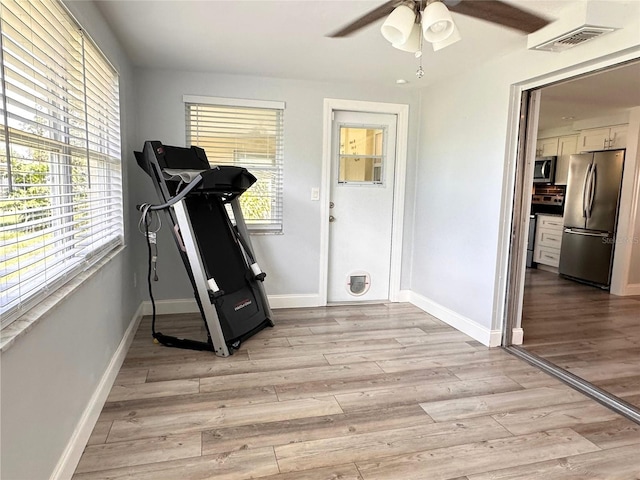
494 11
410 21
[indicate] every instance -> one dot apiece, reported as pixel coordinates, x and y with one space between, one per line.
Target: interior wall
51 372
634 271
463 156
292 259
633 237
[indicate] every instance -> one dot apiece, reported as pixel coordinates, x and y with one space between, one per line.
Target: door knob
332 218
331 204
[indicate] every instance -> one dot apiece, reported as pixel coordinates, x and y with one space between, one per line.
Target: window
249 134
361 157
60 171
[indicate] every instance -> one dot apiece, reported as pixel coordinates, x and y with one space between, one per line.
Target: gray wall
291 260
51 372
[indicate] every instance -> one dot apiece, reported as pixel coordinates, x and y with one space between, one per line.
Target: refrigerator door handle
592 188
586 234
584 191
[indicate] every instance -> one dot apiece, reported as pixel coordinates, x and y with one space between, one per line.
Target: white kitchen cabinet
593 139
550 222
546 250
618 137
605 138
567 145
547 147
551 146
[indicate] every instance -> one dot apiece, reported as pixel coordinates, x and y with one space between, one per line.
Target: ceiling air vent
573 38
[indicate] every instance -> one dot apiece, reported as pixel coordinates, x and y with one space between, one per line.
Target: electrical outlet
315 193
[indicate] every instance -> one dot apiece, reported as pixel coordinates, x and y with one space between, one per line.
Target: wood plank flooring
375 392
585 330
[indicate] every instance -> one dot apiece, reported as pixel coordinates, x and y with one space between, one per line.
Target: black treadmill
216 251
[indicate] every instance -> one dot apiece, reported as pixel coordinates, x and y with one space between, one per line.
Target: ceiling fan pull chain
420 71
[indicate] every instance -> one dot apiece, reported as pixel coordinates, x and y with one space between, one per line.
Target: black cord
153 302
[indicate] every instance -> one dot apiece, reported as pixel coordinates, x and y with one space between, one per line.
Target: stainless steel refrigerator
590 214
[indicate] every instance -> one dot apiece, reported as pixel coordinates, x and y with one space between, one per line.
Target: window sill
10 334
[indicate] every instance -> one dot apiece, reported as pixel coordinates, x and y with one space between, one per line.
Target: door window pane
361 158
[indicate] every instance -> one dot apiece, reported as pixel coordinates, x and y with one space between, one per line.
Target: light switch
315 193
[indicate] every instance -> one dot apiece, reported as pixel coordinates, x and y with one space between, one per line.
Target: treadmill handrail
173 200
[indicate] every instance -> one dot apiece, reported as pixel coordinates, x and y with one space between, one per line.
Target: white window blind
247 134
60 161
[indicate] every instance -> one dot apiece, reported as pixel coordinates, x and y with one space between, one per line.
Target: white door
361 208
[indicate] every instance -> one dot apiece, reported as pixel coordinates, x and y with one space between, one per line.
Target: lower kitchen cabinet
548 240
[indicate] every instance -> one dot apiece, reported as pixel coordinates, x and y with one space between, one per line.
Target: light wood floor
585 330
378 392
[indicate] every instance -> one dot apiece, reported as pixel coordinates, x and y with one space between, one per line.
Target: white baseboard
404 296
490 338
189 305
632 289
73 451
174 305
294 301
517 336
495 338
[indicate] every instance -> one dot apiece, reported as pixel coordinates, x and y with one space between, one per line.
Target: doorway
362 195
587 336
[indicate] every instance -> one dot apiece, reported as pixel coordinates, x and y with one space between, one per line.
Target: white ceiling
597 95
287 39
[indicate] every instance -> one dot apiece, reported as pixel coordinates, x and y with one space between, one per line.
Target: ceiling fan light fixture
399 24
437 24
453 38
413 42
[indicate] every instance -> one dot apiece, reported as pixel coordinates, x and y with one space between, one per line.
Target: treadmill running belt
218 245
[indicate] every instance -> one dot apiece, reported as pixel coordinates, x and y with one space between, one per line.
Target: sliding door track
611 401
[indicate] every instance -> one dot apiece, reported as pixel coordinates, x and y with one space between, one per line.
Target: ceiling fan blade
498 12
369 17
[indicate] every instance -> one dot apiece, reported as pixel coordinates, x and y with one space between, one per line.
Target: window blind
239 133
60 159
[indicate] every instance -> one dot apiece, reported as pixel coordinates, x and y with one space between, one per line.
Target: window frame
89 223
275 225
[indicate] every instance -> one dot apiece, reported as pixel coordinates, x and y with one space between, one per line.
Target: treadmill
216 250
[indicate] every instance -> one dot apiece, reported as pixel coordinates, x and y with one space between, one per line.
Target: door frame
529 109
402 131
509 284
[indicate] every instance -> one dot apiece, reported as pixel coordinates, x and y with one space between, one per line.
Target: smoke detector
574 38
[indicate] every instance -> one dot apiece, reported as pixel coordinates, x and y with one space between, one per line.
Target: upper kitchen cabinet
547 147
605 138
567 145
552 146
618 136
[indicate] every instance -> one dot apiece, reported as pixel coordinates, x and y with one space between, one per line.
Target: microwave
544 170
